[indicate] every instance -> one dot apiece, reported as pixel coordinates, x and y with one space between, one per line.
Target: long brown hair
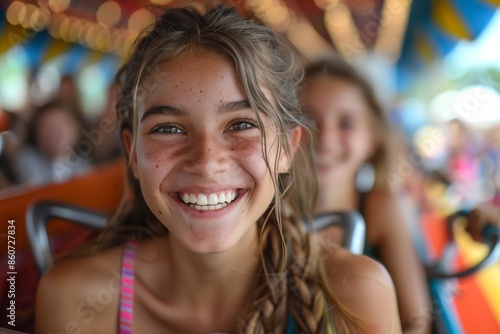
289 278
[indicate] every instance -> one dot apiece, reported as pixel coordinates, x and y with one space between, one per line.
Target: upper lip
207 190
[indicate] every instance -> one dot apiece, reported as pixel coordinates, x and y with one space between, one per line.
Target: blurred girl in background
352 155
54 149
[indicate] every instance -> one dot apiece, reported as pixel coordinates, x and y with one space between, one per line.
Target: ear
130 152
284 163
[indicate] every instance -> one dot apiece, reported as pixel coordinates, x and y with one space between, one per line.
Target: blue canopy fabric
435 27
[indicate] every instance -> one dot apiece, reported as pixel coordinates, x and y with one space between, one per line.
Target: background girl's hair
383 160
289 280
39 112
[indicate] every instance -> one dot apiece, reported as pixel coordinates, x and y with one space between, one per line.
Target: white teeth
213 199
202 199
192 199
208 207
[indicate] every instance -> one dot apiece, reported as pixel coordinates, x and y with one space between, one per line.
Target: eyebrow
234 106
171 110
162 110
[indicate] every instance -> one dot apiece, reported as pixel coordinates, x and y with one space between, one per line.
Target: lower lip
210 213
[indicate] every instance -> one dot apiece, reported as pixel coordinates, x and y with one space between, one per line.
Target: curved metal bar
352 225
491 235
37 217
2 140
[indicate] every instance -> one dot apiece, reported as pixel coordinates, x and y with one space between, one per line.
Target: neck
218 282
337 193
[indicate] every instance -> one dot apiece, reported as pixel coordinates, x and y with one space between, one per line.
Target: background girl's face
345 127
198 153
57 132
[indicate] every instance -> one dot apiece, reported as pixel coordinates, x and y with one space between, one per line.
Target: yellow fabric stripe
447 18
55 48
94 57
424 49
493 2
12 36
487 278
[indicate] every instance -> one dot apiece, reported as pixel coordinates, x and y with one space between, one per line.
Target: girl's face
345 127
198 153
57 132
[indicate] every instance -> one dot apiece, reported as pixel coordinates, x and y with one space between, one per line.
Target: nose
329 142
207 157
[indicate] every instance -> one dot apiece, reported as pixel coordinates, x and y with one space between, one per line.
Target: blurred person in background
354 147
54 149
494 150
10 124
468 169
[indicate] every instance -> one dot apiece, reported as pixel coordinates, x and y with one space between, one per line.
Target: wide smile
208 202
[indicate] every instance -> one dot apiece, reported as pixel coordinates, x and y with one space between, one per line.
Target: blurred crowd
54 141
473 164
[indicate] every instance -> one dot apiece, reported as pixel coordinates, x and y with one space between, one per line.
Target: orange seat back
100 190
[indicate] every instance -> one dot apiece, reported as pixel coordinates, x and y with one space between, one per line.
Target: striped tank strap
127 288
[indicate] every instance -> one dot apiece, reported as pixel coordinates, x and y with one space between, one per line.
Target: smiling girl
211 239
352 132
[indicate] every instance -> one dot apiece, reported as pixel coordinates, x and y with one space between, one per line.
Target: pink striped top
127 288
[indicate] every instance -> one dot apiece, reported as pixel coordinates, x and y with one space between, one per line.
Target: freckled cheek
250 158
155 159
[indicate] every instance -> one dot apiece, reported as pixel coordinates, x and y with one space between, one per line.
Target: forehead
333 87
334 94
192 75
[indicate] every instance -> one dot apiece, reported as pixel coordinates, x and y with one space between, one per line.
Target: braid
306 299
288 283
269 313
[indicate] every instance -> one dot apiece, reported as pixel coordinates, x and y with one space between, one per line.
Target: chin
209 244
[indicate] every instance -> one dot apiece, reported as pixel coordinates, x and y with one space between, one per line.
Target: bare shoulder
384 213
365 289
383 199
345 269
80 294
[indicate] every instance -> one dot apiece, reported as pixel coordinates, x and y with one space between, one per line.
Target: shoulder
363 287
29 154
384 213
345 269
80 294
382 198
